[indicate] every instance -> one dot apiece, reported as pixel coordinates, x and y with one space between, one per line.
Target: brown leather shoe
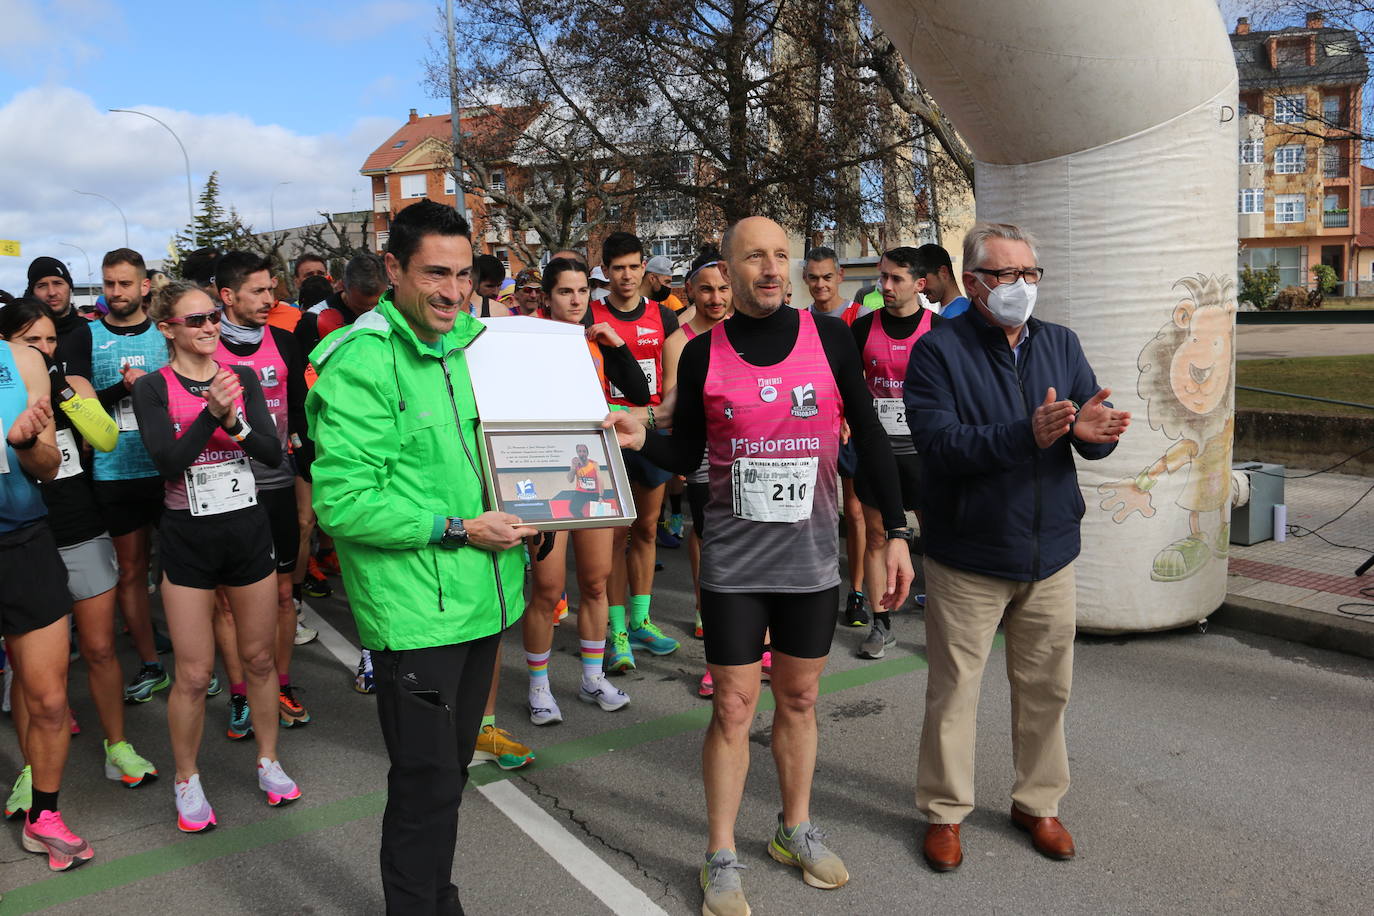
941 847
1048 836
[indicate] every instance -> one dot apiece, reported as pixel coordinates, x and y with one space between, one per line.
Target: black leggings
697 495
800 625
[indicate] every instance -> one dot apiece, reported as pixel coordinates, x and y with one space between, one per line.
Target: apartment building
1301 99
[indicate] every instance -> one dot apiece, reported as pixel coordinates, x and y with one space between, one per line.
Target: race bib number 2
213 489
773 489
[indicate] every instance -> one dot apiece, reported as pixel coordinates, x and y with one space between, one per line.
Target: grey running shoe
721 886
543 707
801 847
603 694
878 640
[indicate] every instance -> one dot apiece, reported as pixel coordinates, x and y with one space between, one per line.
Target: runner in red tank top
644 326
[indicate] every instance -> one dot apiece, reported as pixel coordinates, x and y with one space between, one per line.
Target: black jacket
996 503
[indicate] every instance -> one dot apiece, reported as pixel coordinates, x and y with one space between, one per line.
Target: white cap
598 274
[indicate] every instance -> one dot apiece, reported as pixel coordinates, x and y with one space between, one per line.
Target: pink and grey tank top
772 436
184 407
885 360
269 366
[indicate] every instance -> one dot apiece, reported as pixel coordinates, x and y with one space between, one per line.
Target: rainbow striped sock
538 665
593 654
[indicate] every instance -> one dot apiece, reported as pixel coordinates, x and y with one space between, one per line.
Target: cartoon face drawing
1200 371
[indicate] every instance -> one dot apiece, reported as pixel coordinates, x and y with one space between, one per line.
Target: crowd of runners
160 444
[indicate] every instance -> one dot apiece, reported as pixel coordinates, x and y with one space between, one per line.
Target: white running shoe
194 814
543 707
305 634
601 692
280 788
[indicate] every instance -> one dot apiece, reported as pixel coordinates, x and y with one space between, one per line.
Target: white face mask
1011 304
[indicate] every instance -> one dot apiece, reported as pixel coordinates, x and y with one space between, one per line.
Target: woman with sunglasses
566 294
201 422
87 551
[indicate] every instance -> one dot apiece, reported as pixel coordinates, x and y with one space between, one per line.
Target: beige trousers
963 610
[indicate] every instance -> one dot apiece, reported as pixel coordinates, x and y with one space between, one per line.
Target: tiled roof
484 127
1330 69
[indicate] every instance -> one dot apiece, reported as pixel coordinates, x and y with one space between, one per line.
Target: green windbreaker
395 427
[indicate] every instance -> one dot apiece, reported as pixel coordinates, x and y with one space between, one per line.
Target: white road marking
585 866
609 886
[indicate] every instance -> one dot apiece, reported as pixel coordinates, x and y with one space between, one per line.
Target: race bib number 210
773 489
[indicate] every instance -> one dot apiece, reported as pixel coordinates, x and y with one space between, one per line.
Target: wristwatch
455 535
905 534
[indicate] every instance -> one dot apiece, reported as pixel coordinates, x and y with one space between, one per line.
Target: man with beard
50 282
657 283
246 339
124 346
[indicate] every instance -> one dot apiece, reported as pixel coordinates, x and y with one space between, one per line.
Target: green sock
616 616
639 610
489 720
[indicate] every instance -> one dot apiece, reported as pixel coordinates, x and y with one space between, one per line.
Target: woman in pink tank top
201 421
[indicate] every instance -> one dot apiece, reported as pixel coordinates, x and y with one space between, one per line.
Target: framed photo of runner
557 475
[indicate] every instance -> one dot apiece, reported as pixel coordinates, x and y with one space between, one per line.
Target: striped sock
639 610
538 664
593 654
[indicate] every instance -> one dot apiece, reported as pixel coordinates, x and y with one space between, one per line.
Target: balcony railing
1335 219
381 203
1335 167
382 238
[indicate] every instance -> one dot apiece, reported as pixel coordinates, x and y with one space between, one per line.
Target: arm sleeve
261 443
669 319
351 409
295 381
171 455
948 445
681 451
876 461
95 425
1083 388
112 395
624 373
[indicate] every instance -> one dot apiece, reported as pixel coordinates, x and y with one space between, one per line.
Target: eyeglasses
197 319
1031 275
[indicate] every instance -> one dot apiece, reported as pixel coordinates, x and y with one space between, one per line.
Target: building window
1291 54
1290 109
1290 160
1251 151
1287 260
412 186
503 255
1367 197
398 144
1290 208
498 180
449 187
676 247
1252 200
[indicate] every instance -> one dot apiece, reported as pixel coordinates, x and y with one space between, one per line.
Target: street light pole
89 281
190 206
455 115
117 207
272 205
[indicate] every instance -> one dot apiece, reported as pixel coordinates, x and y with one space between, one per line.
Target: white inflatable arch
1108 129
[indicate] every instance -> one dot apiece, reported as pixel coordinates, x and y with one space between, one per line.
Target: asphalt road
1283 341
1213 773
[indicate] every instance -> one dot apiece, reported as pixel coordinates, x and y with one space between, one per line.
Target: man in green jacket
433 576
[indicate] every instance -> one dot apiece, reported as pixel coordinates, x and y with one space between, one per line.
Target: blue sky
266 93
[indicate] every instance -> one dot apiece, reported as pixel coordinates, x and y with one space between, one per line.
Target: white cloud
57 142
49 38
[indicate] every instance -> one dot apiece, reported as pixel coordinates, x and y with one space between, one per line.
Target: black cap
43 267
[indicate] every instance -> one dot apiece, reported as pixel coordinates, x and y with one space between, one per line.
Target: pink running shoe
707 687
280 788
49 834
194 814
767 666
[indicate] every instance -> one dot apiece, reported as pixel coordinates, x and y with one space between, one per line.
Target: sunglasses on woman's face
197 319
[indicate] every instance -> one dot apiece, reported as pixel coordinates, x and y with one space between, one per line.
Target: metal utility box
1254 522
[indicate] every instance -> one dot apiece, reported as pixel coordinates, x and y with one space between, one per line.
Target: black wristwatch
455 535
905 534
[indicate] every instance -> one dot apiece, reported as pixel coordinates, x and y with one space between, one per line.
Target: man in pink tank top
768 388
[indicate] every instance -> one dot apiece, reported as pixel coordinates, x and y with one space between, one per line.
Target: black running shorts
734 624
